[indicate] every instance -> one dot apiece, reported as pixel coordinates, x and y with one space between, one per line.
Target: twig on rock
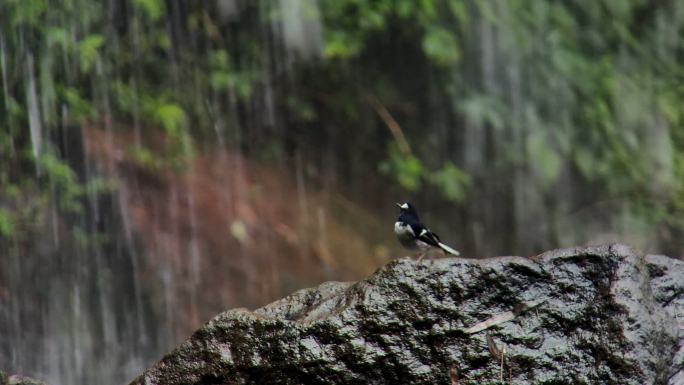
503 355
499 355
493 349
453 375
502 317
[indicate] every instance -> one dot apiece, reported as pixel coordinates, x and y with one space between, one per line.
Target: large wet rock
593 315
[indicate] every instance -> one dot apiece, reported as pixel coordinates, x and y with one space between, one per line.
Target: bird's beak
398 204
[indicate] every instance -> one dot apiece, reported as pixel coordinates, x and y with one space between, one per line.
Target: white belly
407 238
402 230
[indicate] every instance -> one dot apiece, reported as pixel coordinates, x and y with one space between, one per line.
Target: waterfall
164 160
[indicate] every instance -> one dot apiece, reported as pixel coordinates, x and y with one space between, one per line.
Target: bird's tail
448 249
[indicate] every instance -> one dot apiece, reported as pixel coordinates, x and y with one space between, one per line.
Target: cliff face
592 315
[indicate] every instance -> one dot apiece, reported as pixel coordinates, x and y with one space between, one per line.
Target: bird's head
407 209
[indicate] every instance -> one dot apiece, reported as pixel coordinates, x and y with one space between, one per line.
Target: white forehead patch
404 206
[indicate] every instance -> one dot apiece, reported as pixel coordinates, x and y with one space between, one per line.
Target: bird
414 235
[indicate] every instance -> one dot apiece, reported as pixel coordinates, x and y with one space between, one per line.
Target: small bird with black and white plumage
414 235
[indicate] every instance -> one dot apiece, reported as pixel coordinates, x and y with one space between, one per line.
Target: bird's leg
420 257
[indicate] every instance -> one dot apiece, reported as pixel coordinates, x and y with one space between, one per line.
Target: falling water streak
489 86
134 77
302 200
108 121
488 57
227 9
172 33
109 328
3 67
276 48
241 191
66 63
79 324
326 255
194 247
103 293
54 216
13 278
266 70
171 291
220 128
167 278
35 124
507 52
5 91
123 203
46 84
217 121
78 344
52 367
517 143
301 29
474 132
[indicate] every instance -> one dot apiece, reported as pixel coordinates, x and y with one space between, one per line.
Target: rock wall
589 315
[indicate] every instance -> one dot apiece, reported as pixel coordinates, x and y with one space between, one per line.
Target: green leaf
171 117
12 191
405 8
6 225
143 157
56 169
302 109
586 162
407 170
341 45
440 46
153 8
459 10
64 180
27 11
220 80
410 169
428 10
219 59
57 36
484 109
125 97
544 159
452 181
79 107
88 50
14 108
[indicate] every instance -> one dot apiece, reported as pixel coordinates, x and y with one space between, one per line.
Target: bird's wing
424 234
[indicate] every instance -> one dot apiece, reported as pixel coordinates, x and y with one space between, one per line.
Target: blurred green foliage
407 169
496 98
5 223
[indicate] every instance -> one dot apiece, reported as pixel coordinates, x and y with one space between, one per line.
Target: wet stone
590 315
